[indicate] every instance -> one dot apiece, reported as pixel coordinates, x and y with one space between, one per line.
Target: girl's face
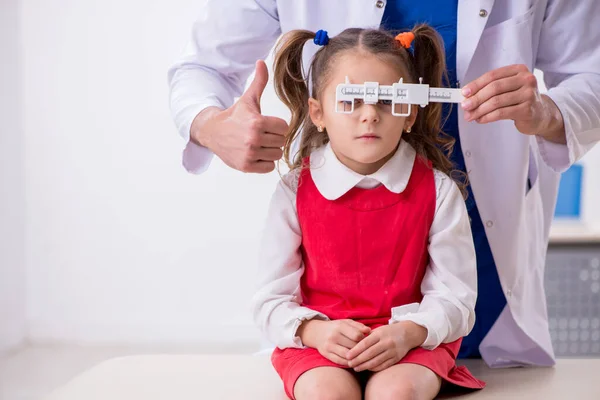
367 138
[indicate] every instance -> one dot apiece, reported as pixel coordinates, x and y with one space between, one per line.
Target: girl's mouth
369 136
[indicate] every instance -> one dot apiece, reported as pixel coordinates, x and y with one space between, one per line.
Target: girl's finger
336 355
374 362
351 332
361 327
362 346
369 354
346 343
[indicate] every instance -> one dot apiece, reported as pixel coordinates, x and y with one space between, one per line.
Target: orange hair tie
405 39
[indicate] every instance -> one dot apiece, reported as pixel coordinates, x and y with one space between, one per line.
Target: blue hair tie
321 38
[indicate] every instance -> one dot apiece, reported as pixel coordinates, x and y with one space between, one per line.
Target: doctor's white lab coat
559 37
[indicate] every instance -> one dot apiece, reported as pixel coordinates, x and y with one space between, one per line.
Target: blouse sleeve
449 286
276 305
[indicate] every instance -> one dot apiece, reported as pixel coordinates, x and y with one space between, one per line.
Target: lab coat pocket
510 16
509 41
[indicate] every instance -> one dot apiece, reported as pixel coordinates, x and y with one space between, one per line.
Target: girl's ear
316 112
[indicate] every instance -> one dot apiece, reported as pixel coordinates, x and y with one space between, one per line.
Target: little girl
367 268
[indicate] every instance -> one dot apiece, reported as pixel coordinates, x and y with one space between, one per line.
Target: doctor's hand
385 346
511 93
332 339
240 136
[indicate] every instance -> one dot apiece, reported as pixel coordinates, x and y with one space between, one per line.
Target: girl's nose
370 113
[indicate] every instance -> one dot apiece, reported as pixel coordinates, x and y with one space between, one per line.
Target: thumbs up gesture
240 136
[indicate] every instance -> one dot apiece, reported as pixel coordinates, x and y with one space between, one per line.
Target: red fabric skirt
291 363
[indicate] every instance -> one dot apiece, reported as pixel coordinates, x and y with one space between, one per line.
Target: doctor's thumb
255 90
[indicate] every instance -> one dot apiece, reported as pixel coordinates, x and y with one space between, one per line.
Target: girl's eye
385 102
345 105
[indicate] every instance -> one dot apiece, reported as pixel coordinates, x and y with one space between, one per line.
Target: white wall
123 244
12 271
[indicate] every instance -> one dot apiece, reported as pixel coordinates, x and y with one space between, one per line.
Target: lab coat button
483 13
489 224
509 293
467 153
380 4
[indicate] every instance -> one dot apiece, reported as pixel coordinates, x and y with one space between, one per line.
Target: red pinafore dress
365 253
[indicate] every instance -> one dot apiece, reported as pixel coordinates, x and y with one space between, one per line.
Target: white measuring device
398 93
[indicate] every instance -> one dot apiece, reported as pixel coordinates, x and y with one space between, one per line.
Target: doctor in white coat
504 145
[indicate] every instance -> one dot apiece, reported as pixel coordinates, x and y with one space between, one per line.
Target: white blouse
449 286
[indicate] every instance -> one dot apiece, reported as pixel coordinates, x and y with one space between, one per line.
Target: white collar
333 179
